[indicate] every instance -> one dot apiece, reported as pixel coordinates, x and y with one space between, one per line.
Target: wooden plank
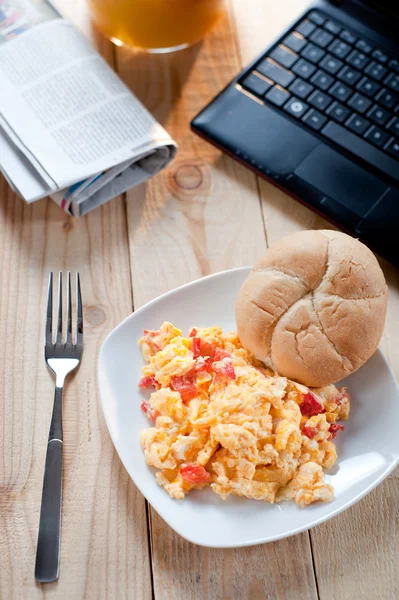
280 570
104 534
104 549
201 216
356 553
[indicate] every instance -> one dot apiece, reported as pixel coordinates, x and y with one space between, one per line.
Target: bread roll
313 308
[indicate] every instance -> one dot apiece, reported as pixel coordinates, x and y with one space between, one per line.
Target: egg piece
173 360
169 403
155 340
237 439
307 486
187 447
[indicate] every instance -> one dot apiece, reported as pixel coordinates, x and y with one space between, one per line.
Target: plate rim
264 539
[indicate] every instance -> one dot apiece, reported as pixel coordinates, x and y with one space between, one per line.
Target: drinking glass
156 25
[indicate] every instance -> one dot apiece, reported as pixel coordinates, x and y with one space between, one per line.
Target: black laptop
318 115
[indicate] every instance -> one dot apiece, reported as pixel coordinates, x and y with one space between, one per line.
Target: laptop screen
387 6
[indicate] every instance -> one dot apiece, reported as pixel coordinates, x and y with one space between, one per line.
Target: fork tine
49 313
79 310
59 319
69 310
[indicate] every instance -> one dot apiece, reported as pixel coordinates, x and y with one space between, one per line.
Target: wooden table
175 229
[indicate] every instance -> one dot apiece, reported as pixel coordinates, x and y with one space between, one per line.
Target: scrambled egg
220 418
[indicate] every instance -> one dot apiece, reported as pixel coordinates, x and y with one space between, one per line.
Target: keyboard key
278 96
305 28
362 149
339 48
376 70
392 81
394 64
338 112
316 18
347 37
378 115
379 56
283 57
319 100
303 68
368 87
340 91
321 37
331 64
314 119
357 59
312 53
294 42
275 73
256 84
349 75
332 27
393 148
359 103
393 126
376 136
363 46
357 124
301 88
296 107
387 98
322 80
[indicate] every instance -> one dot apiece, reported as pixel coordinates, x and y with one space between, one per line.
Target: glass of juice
156 25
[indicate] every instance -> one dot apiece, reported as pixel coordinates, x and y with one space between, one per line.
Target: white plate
368 449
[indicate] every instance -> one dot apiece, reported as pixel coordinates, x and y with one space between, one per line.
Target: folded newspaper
69 128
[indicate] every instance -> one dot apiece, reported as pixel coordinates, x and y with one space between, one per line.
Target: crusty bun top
313 308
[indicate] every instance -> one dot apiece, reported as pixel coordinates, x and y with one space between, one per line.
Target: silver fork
62 357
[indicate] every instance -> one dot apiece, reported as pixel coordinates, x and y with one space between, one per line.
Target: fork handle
48 543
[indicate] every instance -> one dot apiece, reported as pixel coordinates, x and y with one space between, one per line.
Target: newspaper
69 127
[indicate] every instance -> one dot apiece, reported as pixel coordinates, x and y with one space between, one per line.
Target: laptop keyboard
336 84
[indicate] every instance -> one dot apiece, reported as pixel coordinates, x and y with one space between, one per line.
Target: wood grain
206 213
281 570
104 549
356 554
